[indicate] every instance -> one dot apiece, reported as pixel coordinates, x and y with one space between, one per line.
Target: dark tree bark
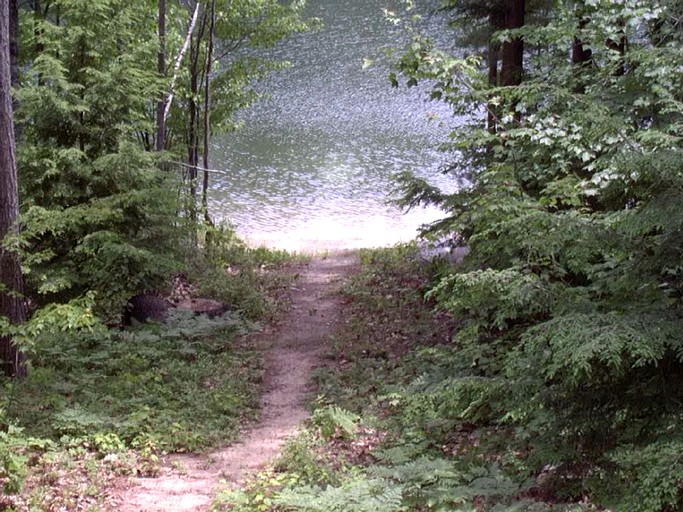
14 40
161 69
580 53
582 58
207 111
513 50
11 295
194 116
14 61
493 57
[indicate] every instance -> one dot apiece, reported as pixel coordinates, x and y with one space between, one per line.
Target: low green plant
306 460
253 281
356 495
334 422
111 387
107 402
13 460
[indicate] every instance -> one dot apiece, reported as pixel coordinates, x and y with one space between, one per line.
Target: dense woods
98 87
569 302
544 372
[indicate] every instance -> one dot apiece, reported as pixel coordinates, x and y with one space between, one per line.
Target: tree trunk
11 297
161 69
513 50
491 108
580 54
179 60
14 41
193 114
207 113
582 58
14 61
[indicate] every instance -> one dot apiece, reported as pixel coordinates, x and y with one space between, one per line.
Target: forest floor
189 482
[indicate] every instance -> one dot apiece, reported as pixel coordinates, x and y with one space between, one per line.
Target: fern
575 347
360 495
333 421
443 484
646 477
494 298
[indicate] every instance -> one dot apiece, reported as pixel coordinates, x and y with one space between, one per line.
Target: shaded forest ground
188 482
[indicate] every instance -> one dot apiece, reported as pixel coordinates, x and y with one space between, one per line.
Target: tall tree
213 93
14 40
513 49
161 69
582 202
12 304
207 110
96 206
14 59
196 69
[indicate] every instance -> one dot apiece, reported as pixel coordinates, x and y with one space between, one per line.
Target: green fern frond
333 421
361 495
575 346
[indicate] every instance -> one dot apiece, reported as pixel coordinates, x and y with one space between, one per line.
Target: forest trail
190 482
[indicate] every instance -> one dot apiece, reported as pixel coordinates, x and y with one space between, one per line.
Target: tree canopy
572 288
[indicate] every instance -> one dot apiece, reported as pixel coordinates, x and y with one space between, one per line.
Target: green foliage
112 389
335 422
494 298
648 477
305 461
431 411
240 25
569 301
253 281
362 495
578 348
13 460
98 214
423 484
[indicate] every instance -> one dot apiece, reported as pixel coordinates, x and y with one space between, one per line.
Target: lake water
312 167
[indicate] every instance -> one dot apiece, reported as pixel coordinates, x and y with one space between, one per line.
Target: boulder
198 306
144 307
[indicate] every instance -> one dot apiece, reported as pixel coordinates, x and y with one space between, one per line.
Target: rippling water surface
313 165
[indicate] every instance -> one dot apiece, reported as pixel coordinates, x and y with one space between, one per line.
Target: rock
209 307
144 307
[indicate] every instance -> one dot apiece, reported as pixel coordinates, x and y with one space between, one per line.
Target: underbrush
401 423
100 402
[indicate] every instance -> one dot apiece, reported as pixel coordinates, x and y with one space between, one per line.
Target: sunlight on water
313 165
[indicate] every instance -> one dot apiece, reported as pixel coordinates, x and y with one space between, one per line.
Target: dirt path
189 482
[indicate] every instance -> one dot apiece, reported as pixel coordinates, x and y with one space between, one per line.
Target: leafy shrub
334 422
644 478
13 460
108 387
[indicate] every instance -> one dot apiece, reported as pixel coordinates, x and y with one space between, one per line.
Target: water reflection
313 164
